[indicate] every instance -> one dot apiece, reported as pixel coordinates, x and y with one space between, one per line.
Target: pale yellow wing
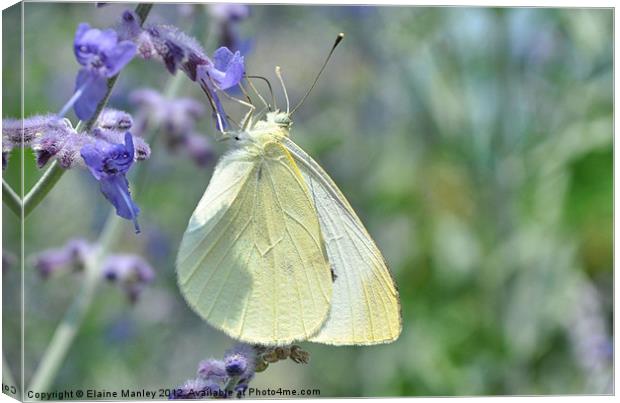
365 305
252 261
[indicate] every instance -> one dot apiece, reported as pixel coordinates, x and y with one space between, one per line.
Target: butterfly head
280 119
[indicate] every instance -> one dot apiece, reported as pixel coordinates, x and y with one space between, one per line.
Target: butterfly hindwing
252 261
365 305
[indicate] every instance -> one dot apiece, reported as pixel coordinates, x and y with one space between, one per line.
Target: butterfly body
274 253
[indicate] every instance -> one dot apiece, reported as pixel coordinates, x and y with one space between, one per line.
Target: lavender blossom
199 149
198 388
231 12
102 56
239 361
214 376
212 369
175 49
226 72
114 119
130 26
71 256
20 132
108 163
131 272
44 133
142 151
176 116
227 16
180 51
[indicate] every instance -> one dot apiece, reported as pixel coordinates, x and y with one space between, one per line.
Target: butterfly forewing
252 261
365 305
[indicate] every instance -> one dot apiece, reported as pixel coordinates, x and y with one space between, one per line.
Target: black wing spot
334 276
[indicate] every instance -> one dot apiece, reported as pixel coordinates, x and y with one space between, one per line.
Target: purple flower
225 72
47 135
212 369
214 375
131 272
176 116
199 149
114 119
198 388
130 26
108 163
239 361
103 56
142 151
227 16
229 11
180 51
72 255
22 132
175 49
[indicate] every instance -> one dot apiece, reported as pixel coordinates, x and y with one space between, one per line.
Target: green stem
230 385
55 172
11 199
66 331
143 10
42 187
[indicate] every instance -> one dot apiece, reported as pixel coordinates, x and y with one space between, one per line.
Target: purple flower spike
109 163
103 56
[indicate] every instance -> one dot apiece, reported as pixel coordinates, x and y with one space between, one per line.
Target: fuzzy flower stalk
231 376
221 378
108 151
178 51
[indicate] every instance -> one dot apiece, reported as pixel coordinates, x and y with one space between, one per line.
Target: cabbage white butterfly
274 252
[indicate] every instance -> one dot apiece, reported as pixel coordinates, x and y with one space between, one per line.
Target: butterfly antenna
339 39
253 88
279 75
273 98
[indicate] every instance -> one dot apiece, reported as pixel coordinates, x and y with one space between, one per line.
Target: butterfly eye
237 138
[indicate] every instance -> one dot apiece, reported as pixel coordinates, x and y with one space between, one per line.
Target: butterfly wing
365 304
252 261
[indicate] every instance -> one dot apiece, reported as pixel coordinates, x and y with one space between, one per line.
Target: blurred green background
474 143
